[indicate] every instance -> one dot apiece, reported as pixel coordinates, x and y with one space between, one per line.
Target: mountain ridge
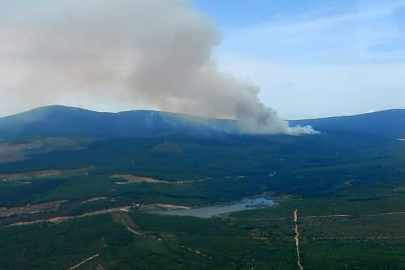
63 107
70 121
58 120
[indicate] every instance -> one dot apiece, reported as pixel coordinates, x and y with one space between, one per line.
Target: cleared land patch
44 174
136 179
10 152
129 179
30 209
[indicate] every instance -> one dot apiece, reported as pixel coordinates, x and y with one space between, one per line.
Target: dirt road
297 239
83 262
65 218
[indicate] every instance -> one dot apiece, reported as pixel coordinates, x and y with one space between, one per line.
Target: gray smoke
158 52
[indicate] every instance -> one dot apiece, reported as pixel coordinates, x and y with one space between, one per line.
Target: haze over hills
74 122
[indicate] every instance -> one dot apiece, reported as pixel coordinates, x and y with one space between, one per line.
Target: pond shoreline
209 211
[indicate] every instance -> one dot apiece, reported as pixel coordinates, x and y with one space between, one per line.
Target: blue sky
304 31
315 58
242 13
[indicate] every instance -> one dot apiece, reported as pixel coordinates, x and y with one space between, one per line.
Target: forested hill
389 124
74 122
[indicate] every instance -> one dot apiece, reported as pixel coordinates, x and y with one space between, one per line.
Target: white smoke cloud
158 52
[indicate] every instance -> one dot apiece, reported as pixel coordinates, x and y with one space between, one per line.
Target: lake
215 210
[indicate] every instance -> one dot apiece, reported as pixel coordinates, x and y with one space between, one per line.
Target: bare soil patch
45 174
137 179
30 209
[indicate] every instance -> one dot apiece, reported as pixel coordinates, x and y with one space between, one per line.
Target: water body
215 210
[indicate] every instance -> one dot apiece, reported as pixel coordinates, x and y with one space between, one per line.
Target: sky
315 58
310 58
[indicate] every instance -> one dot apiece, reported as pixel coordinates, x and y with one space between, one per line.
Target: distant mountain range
63 121
389 124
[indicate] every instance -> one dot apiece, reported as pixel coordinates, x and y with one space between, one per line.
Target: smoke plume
156 52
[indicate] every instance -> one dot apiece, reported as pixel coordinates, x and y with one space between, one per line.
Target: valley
324 201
